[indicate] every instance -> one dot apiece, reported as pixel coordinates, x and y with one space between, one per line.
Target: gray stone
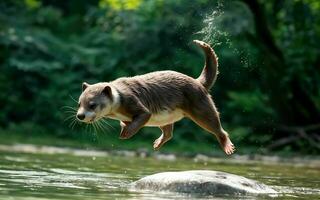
202 182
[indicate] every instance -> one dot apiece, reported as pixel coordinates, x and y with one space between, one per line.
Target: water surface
100 176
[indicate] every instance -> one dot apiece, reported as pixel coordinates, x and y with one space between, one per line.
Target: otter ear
84 86
107 91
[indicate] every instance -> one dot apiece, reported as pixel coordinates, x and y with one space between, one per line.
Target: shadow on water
41 175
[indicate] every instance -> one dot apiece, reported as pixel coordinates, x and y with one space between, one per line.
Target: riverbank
313 162
105 145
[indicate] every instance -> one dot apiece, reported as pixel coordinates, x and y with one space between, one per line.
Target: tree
295 102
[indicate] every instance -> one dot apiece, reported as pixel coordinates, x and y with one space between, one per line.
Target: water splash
212 30
216 32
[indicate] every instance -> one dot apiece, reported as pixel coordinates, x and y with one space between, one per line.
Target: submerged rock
201 182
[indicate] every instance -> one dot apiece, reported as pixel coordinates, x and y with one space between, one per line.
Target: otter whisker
72 123
94 128
94 131
106 126
69 118
73 98
75 122
105 122
102 127
89 128
97 126
70 111
86 128
69 107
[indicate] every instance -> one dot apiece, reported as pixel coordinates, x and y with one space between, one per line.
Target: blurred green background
268 89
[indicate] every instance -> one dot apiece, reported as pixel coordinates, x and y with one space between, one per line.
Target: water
57 175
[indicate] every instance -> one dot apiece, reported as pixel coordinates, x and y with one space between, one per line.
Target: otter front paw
127 131
124 130
125 134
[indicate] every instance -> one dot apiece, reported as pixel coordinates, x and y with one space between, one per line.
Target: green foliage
48 48
120 4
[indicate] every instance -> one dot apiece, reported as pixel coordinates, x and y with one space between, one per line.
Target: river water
64 175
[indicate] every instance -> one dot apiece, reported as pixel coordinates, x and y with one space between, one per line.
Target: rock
166 157
201 158
143 152
125 153
202 182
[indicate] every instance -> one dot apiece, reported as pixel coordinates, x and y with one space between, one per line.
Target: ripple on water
69 176
62 178
16 159
297 190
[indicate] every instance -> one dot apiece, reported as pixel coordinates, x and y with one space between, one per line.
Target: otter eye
92 106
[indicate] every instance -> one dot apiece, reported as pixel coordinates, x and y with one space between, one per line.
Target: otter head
95 102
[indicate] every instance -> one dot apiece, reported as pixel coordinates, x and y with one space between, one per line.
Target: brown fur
143 97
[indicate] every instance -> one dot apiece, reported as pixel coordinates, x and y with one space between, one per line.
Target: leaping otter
158 99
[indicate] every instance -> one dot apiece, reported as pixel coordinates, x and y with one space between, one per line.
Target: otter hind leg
165 136
206 116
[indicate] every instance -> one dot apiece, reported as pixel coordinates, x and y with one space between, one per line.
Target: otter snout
86 116
81 116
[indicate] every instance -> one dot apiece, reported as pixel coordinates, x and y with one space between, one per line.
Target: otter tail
209 73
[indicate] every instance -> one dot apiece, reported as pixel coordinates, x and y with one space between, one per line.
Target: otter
157 99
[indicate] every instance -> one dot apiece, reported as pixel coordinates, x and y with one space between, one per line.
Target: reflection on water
64 176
